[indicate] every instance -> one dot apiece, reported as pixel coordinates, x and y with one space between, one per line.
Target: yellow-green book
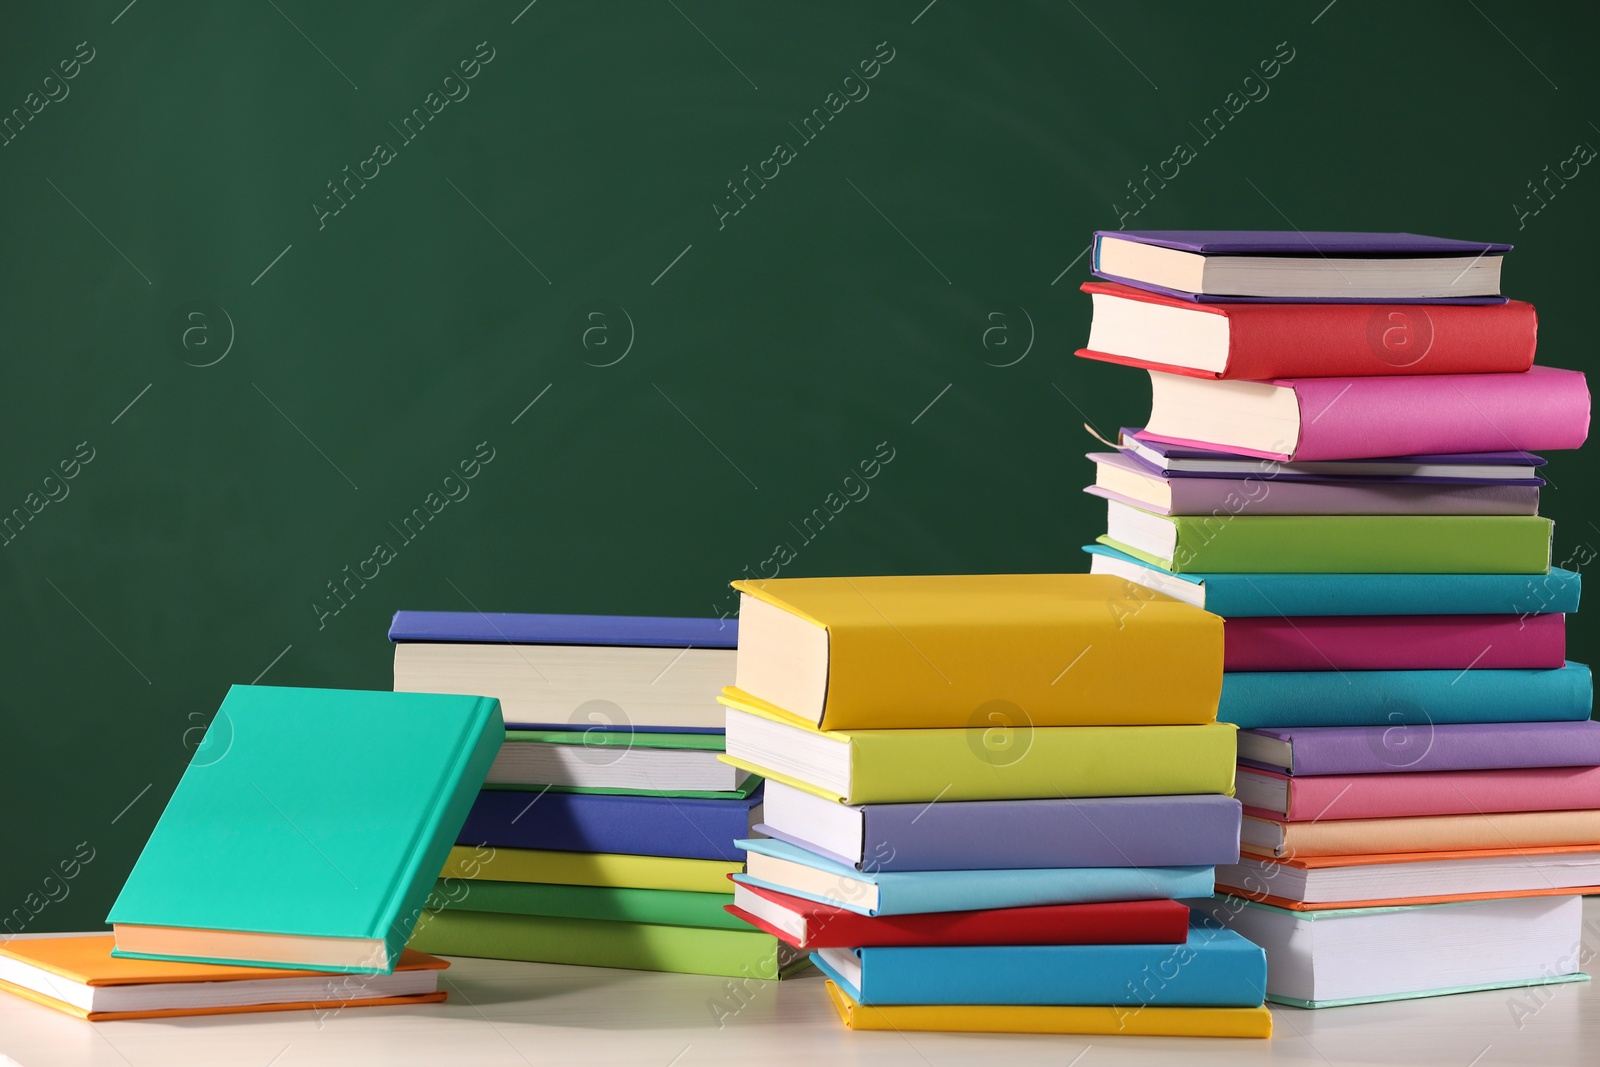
589 868
1003 758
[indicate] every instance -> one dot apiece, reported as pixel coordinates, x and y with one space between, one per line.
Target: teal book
308 829
1266 699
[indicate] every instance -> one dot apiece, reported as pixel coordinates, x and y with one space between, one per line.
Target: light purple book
1189 461
1330 244
1421 746
1153 490
976 835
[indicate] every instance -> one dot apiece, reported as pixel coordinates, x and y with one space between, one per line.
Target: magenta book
1394 642
1270 795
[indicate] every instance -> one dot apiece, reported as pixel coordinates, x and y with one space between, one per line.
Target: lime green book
1002 757
663 907
599 943
1331 544
495 864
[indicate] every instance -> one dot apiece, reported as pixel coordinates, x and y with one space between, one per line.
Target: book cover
1382 796
665 907
312 813
1248 494
1243 595
1352 544
499 628
1470 468
1001 759
1214 968
1123 922
1321 340
686 827
1356 418
1422 746
588 868
747 954
1404 698
59 963
1394 642
915 892
1051 1018
1424 833
1104 831
932 652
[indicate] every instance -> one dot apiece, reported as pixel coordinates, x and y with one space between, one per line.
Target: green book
599 943
1332 544
663 907
308 829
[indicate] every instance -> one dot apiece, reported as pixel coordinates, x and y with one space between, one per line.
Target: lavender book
1422 746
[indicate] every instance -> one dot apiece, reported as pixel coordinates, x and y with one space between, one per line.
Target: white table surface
519 1014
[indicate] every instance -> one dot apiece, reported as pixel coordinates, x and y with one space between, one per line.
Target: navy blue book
1215 968
510 628
684 827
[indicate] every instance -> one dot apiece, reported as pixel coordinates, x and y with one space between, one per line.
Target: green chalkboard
661 276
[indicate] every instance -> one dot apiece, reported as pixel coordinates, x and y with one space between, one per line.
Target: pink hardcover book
1120 477
1394 642
1363 418
1270 795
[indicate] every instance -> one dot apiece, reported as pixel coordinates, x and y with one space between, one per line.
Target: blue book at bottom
1214 968
695 828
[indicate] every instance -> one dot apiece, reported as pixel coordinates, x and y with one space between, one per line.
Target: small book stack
288 867
1339 461
985 795
604 832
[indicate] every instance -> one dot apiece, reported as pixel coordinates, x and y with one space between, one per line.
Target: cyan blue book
686 827
308 829
1214 968
1291 595
507 628
1404 698
773 864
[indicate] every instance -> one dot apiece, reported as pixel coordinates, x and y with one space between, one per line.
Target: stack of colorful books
1339 461
604 832
985 795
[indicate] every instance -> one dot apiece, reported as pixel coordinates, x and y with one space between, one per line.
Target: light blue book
1215 968
1253 595
778 865
308 829
1404 698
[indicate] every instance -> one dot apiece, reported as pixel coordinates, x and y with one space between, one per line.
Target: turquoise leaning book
308 829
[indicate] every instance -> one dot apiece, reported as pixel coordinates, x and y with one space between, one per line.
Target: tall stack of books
604 832
1339 461
985 795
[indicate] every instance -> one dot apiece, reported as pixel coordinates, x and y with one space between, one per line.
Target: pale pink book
1364 418
1271 795
1394 642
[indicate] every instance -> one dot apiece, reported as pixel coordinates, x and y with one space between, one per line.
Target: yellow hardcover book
588 868
949 651
1053 1019
1005 761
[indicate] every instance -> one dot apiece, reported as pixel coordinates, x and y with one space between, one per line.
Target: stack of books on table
287 869
985 795
1350 481
604 833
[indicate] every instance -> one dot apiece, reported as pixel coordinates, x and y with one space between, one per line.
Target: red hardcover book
1255 342
807 925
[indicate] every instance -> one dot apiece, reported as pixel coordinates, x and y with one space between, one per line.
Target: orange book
76 974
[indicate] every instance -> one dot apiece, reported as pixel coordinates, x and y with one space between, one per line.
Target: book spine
1362 544
1234 496
1421 747
1364 418
1381 796
1439 833
1231 595
1394 642
593 822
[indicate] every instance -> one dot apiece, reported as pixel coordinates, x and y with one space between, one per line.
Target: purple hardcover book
976 835
1421 746
1478 468
513 629
1152 490
1324 244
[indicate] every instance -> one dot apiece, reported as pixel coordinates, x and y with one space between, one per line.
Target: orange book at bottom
76 974
1054 1019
